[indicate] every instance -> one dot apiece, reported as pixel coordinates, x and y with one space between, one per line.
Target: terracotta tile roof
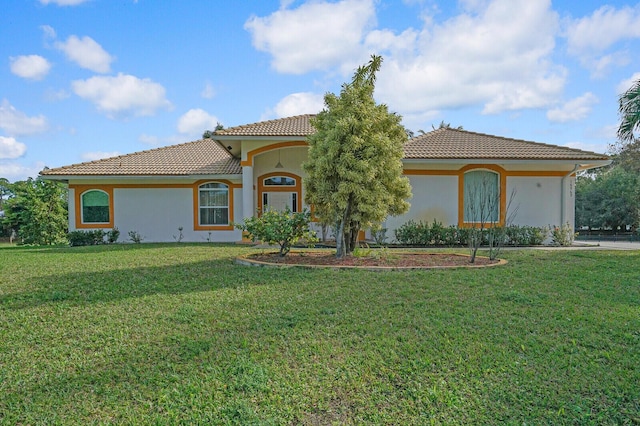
290 126
204 157
462 144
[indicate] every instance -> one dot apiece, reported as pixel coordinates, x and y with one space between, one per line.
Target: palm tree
629 111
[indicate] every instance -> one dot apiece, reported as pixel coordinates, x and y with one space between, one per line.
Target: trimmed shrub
86 238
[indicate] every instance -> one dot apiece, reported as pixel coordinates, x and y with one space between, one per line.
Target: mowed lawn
166 334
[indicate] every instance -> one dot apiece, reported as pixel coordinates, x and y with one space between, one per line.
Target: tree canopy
354 168
629 111
36 210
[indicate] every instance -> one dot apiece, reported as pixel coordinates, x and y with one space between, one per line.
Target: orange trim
196 206
253 153
297 188
416 172
81 189
502 188
508 173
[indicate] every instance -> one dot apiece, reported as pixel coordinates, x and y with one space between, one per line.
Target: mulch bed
393 260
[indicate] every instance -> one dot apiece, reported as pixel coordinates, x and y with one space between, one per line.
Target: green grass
166 334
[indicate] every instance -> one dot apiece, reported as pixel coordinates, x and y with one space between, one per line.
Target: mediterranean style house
201 188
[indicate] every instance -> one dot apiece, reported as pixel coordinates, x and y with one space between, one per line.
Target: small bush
135 237
562 235
113 235
284 228
86 238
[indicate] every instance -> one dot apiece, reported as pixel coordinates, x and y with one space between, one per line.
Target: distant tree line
609 197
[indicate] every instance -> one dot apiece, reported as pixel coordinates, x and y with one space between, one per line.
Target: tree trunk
342 248
354 230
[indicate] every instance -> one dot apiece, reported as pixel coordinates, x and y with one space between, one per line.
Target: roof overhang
583 164
124 178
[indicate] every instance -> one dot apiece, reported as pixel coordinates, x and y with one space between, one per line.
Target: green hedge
435 234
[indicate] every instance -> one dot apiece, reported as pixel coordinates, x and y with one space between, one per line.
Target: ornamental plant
284 228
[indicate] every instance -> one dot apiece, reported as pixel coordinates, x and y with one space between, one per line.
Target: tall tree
354 169
37 211
629 111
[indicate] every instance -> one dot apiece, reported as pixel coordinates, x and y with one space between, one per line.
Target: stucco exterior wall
537 200
157 213
434 197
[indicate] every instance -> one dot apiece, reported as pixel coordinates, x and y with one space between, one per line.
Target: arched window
213 204
481 197
279 181
95 207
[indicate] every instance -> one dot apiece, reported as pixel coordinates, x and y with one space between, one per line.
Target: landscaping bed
395 260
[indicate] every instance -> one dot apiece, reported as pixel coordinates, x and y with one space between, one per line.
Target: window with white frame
95 206
213 203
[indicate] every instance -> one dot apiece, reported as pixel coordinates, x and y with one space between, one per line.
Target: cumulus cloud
299 103
495 53
31 67
16 122
605 27
99 155
315 36
63 2
14 171
196 121
11 148
589 37
574 110
122 95
87 53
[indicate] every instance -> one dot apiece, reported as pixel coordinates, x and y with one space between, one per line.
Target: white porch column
248 209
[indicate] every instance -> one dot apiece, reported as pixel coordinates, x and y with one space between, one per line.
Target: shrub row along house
203 187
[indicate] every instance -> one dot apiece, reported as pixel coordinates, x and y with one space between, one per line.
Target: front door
279 201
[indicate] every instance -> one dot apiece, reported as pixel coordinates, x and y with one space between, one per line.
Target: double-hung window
213 204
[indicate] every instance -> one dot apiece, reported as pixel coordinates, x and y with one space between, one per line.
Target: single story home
199 189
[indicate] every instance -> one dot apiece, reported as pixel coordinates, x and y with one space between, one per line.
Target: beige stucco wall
434 198
157 213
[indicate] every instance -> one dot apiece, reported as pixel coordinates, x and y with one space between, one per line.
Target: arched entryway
279 190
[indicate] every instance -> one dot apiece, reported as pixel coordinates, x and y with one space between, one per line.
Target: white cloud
208 92
16 122
53 95
605 27
315 36
32 67
196 121
99 155
15 171
574 110
299 103
48 31
63 2
589 37
497 53
625 85
87 53
123 95
11 148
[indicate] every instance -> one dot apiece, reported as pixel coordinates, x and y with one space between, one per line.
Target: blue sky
85 79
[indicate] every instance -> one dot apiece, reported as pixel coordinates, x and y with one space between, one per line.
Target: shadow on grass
88 287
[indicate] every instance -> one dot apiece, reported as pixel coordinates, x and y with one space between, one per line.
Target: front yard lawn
167 334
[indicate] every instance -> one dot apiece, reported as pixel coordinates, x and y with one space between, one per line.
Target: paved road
597 245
